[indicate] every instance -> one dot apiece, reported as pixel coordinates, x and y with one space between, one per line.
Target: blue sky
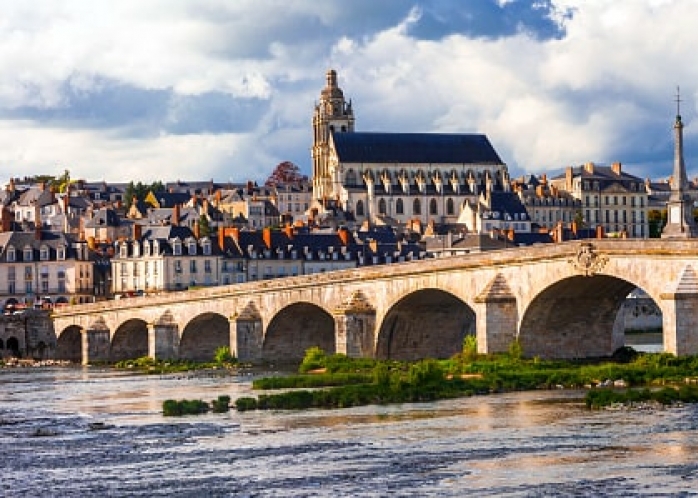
177 89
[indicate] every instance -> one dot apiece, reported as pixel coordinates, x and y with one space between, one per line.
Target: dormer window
60 253
156 247
136 248
11 254
207 247
177 247
191 248
28 253
44 254
123 250
146 248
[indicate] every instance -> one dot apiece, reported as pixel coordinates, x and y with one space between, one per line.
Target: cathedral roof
414 148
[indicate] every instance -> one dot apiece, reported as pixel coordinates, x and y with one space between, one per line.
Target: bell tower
332 115
680 223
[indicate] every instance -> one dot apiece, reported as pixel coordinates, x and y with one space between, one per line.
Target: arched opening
399 208
69 345
416 207
578 317
13 347
359 208
203 336
433 207
296 328
641 320
450 209
2 344
130 341
429 323
382 207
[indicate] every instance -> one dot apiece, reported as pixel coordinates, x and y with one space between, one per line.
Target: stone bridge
558 300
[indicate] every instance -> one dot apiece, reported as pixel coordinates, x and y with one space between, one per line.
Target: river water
88 432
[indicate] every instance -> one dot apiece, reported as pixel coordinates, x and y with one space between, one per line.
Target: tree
204 226
285 172
656 219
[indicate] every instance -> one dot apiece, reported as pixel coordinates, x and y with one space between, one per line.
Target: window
433 207
43 255
192 248
136 248
177 247
382 207
146 248
207 247
192 266
11 273
11 254
60 253
450 209
417 207
28 273
399 208
123 250
28 254
177 266
360 208
207 266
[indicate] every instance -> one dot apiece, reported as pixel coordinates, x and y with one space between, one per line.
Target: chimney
288 230
511 234
600 232
137 231
6 219
218 198
174 220
575 228
266 235
373 244
544 178
539 190
66 203
221 238
42 186
616 168
589 168
197 230
344 236
569 175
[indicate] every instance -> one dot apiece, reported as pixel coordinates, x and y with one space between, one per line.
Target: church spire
680 222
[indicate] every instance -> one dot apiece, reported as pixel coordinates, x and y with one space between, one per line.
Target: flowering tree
285 172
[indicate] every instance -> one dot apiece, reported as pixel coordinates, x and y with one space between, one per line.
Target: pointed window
399 207
382 207
416 207
360 208
450 208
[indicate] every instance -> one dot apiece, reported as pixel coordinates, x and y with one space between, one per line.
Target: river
86 432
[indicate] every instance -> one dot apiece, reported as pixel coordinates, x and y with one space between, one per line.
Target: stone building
401 176
610 198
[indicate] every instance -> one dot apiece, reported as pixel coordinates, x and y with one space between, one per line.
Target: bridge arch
130 340
69 344
203 335
428 323
296 328
576 317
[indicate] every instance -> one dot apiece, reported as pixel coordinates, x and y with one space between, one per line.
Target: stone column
96 344
496 317
355 327
247 334
163 341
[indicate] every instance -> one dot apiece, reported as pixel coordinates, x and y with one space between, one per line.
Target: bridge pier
247 335
496 317
680 315
96 345
163 341
355 327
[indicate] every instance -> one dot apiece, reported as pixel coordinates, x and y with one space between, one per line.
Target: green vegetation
174 408
600 398
223 359
223 356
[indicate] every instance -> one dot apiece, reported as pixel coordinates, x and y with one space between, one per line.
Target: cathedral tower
680 221
332 115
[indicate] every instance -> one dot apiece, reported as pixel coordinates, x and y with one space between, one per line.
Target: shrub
470 347
224 356
172 408
245 404
221 404
314 358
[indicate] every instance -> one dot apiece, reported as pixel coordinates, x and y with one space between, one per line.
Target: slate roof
20 240
103 217
414 148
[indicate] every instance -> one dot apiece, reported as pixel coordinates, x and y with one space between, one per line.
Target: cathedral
398 177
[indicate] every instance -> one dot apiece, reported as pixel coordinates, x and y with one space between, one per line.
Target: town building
610 198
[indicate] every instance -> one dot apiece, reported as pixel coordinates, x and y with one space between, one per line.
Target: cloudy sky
177 89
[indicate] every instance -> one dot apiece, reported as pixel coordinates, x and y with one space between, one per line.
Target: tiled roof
414 148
